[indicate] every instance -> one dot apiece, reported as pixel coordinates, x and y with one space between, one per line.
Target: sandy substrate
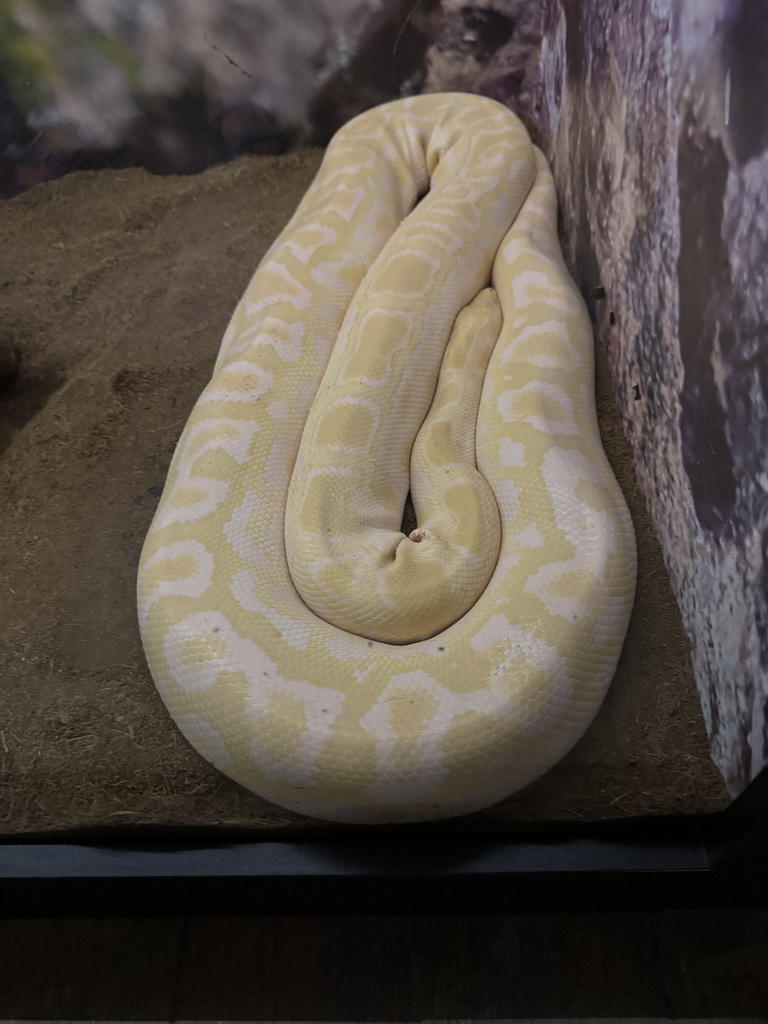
116 287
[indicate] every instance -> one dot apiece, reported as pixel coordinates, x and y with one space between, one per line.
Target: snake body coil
412 329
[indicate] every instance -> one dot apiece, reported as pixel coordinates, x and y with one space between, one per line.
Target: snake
411 343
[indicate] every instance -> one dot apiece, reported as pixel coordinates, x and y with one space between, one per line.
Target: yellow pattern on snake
412 329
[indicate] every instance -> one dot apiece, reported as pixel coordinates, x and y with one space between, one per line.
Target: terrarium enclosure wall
194 129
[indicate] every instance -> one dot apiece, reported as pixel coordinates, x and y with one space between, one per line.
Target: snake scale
412 330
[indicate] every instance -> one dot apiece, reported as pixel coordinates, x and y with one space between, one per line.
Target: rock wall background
654 114
656 121
178 85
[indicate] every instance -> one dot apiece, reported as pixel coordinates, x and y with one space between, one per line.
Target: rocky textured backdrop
178 85
655 117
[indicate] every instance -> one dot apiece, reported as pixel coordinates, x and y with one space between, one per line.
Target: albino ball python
302 643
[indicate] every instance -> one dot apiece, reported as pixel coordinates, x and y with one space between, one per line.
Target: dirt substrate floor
115 289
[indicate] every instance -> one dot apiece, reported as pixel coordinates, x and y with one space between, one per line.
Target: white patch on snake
236 531
302 249
544 582
498 629
194 495
285 338
401 264
298 295
507 495
377 225
297 764
205 739
195 584
334 273
535 286
344 647
528 395
591 531
234 437
319 565
517 650
332 472
362 444
511 453
277 468
198 648
428 745
292 632
212 494
399 653
279 411
563 356
357 196
508 560
530 537
241 381
442 237
399 324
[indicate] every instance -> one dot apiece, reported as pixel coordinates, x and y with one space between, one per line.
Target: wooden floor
704 965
